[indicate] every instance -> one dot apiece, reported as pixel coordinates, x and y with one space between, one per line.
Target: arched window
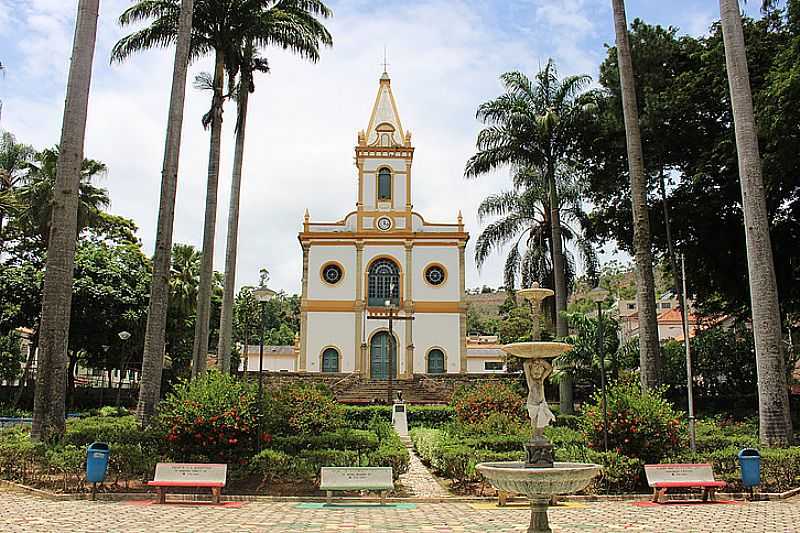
383 283
330 360
384 184
436 361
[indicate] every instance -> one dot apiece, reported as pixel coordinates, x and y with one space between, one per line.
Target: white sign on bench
333 478
663 477
203 475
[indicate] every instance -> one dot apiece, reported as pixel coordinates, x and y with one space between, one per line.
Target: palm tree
525 219
293 26
49 397
220 26
775 425
14 158
36 195
649 348
532 125
152 359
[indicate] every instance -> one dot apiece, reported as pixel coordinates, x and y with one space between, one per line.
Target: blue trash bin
750 462
97 462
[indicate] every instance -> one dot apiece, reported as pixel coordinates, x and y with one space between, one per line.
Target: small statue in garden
536 371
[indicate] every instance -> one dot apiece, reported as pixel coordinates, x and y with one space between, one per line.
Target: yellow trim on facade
437 307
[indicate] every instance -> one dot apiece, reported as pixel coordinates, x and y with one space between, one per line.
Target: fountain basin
562 478
536 350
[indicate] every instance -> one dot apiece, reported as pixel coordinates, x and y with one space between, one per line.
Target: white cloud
445 60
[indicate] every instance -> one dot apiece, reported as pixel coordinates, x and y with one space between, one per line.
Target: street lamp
599 295
262 295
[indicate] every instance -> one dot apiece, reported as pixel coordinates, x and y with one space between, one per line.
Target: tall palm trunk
566 385
649 349
153 358
775 426
226 317
200 346
49 397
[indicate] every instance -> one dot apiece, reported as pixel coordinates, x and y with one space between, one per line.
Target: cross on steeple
385 60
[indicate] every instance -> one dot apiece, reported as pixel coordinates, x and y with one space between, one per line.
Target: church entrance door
379 349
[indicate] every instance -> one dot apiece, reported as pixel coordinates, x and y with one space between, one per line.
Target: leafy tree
11 357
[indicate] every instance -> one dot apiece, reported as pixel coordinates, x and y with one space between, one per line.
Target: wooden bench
672 476
196 475
333 478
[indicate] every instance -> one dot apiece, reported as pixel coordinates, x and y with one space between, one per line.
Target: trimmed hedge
360 416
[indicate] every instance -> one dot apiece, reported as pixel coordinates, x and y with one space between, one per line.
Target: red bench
194 475
672 476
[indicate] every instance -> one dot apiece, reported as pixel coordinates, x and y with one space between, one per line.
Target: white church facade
383 251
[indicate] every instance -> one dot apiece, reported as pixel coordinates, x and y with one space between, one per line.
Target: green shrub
302 409
716 434
432 416
68 462
84 431
212 417
493 424
275 466
343 439
640 424
319 458
426 442
393 454
475 403
360 416
132 461
620 473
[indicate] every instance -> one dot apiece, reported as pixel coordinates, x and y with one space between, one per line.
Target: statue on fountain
536 371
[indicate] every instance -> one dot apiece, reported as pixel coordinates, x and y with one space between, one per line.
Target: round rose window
435 275
332 273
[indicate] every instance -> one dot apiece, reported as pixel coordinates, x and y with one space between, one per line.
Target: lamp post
262 295
599 295
124 336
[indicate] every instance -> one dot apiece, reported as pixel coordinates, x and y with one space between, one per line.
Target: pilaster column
303 355
409 309
358 339
462 322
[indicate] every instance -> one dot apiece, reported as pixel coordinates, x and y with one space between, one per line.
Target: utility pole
689 378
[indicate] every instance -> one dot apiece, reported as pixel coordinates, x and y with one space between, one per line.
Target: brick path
419 482
30 514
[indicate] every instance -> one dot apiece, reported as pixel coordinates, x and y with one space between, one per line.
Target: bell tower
383 157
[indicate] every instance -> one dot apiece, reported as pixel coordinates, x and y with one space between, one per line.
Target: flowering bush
642 425
302 409
475 404
212 417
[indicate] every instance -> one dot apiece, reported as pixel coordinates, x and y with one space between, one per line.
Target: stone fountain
539 477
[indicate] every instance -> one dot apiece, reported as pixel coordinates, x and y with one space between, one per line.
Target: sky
445 57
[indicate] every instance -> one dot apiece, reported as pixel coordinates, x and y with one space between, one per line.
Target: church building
382 256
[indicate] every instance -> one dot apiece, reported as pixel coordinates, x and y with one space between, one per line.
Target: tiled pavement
31 514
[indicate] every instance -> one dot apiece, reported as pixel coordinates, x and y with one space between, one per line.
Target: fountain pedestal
539 453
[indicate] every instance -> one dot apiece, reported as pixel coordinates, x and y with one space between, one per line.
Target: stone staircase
417 390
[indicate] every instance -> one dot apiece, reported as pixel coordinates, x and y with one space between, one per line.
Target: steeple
385 128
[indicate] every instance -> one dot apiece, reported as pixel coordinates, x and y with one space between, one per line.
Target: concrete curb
129 496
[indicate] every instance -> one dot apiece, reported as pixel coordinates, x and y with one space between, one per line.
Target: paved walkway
419 482
30 514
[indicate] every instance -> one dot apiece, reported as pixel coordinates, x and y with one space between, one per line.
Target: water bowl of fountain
540 477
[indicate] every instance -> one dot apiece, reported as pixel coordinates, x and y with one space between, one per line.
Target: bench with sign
356 478
189 475
672 476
